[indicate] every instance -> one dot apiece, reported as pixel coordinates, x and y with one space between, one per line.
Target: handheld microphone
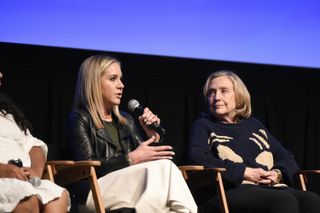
135 106
34 180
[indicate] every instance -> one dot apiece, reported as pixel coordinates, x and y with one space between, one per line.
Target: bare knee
59 205
28 205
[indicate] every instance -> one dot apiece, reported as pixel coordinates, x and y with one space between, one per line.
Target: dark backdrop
41 80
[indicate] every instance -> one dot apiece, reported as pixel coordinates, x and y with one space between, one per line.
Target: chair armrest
193 168
61 162
314 171
74 163
64 172
51 168
88 163
199 168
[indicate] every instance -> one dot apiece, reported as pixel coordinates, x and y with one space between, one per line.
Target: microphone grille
35 181
133 104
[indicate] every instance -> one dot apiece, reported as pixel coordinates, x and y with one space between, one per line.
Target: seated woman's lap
308 201
155 186
251 198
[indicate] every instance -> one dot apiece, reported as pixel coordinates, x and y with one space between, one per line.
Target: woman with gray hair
259 170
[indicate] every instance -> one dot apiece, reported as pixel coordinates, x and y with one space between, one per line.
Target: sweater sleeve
199 153
283 159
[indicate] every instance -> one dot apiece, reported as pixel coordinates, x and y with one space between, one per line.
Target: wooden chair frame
185 170
65 172
302 174
303 177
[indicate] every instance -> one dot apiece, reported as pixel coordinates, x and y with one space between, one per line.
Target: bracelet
279 175
129 160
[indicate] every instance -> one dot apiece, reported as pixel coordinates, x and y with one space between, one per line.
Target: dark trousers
256 199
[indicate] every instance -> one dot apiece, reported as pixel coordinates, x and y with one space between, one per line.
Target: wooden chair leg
303 182
95 191
302 175
184 174
221 194
223 204
49 172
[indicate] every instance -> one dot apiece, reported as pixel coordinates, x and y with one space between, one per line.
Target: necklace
107 118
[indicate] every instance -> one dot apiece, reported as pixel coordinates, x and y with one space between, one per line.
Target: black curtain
41 80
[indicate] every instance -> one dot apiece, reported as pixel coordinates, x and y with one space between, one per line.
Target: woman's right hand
12 171
144 152
256 175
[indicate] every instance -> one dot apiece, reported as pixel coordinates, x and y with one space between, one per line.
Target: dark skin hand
12 171
37 165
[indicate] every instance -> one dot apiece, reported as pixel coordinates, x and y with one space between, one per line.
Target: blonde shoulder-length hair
88 94
242 95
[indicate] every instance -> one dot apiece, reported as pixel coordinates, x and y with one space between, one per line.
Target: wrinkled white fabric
14 144
153 187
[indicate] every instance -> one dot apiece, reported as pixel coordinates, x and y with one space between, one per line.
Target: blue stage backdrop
284 32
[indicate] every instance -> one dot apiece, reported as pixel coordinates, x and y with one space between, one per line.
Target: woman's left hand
146 119
272 177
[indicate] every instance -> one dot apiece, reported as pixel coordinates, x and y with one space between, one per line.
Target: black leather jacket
86 142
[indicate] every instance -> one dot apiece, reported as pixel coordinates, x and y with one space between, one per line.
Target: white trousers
155 186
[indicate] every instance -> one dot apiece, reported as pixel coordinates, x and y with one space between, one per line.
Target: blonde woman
132 174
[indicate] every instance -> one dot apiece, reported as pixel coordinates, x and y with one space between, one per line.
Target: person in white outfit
21 187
